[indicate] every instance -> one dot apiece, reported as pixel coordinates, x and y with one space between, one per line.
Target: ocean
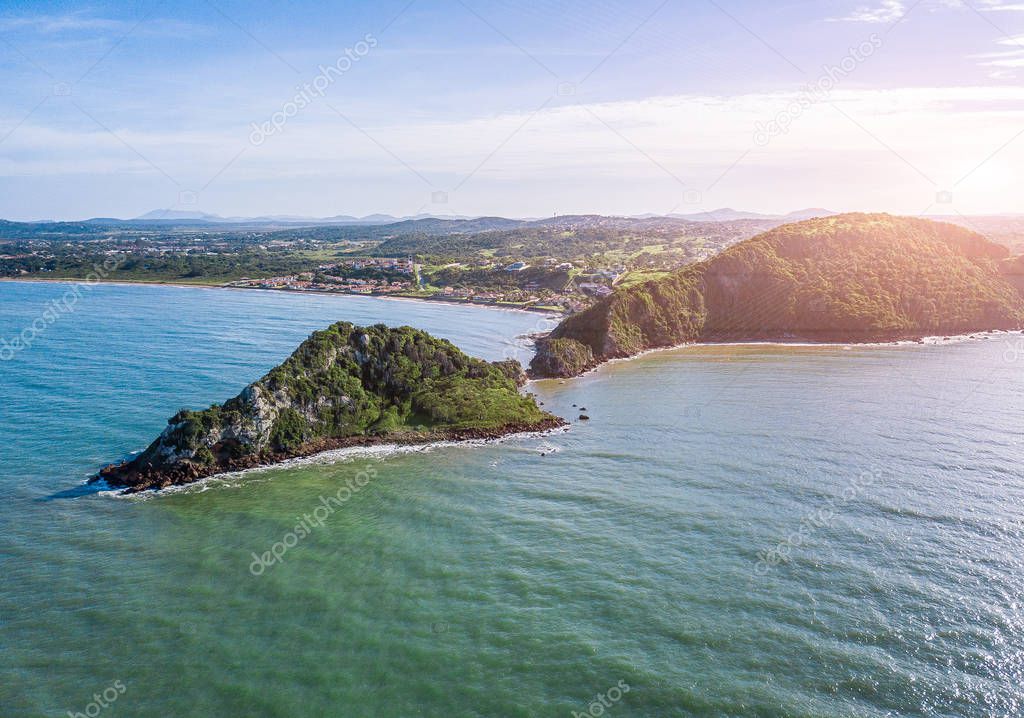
744 530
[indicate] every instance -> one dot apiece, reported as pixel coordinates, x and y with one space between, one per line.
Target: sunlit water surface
737 531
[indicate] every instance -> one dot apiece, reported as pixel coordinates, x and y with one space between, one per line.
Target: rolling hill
849 278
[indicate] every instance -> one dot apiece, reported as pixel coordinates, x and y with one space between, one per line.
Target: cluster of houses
579 292
329 278
573 297
474 295
403 266
520 266
594 289
306 283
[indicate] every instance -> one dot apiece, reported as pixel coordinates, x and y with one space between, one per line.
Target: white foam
233 479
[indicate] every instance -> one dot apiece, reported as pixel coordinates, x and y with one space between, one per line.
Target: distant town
572 290
561 264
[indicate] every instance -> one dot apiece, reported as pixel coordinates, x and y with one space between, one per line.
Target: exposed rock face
513 370
561 358
850 278
343 386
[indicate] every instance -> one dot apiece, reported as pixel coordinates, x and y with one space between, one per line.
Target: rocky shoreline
556 366
345 386
134 479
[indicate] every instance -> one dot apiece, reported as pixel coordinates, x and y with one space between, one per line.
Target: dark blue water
738 531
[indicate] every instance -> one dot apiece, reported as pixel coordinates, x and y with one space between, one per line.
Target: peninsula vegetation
343 386
846 278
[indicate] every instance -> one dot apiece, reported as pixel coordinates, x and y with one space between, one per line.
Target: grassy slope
851 277
348 381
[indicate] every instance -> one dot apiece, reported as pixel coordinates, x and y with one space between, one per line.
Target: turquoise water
738 531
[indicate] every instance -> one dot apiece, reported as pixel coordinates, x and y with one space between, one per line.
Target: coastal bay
565 563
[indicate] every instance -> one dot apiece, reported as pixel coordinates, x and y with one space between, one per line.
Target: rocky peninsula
344 386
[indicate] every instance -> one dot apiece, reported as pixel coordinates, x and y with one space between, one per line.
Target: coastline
186 285
124 282
122 477
324 458
936 340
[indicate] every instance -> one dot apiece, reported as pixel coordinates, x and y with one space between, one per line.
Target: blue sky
513 108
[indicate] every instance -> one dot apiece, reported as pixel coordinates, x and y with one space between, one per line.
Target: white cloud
1003 58
983 5
82 22
566 155
1000 6
888 11
68 22
1014 60
885 12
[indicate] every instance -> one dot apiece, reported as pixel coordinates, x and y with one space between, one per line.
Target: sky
519 108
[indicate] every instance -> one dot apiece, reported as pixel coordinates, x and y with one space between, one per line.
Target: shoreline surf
326 457
186 285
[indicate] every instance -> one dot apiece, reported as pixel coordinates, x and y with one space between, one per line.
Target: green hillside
344 385
851 278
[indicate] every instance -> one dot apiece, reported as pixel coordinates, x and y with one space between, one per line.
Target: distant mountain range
724 214
179 217
727 214
446 223
1006 229
175 215
371 227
